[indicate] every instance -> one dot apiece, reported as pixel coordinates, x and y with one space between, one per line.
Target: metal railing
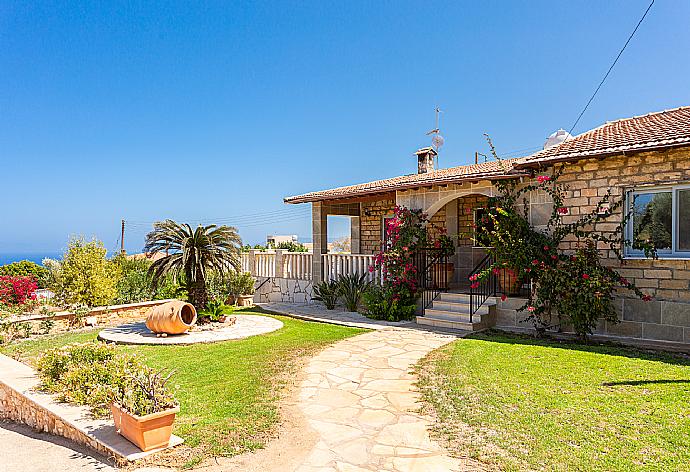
482 288
433 275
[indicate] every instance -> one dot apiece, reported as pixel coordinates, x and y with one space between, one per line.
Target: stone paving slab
359 396
317 312
244 327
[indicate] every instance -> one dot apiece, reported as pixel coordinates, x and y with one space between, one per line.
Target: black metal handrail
481 289
432 273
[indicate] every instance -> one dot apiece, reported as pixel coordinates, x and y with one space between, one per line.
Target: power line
611 68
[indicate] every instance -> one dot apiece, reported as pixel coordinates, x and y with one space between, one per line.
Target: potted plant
144 410
240 289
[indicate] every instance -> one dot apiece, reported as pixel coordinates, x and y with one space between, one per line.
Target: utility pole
122 238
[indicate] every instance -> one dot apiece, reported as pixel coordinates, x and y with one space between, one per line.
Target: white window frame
673 253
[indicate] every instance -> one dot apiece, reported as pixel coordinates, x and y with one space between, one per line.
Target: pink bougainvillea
16 290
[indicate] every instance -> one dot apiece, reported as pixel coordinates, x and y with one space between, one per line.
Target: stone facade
371 224
277 289
589 179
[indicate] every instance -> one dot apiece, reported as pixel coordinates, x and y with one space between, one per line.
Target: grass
228 391
518 403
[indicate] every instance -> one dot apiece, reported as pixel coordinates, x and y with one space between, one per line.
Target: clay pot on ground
240 300
442 274
174 317
147 432
509 282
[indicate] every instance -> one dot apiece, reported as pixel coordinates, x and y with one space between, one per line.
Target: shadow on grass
608 348
634 383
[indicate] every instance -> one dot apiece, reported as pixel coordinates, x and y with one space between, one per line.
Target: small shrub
292 246
327 292
17 290
351 288
146 392
384 304
240 283
215 309
95 374
85 275
26 269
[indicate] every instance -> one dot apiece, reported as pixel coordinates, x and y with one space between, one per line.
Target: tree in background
85 276
342 245
26 269
192 253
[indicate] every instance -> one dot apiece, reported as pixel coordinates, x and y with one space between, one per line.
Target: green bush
136 283
351 287
214 310
85 276
384 304
95 374
292 246
327 292
240 283
26 269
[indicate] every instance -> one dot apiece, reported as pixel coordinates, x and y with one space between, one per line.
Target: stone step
458 307
449 324
451 316
461 298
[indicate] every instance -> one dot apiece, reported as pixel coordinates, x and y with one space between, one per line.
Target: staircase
452 310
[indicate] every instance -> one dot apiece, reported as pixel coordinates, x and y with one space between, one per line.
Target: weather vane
437 140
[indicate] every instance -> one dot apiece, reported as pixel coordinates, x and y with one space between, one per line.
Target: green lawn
228 391
523 404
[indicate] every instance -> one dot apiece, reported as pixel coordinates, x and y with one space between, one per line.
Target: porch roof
658 130
485 171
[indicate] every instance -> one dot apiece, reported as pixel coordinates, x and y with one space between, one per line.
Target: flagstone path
360 399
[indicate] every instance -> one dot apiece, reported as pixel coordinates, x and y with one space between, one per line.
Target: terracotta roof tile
652 131
485 170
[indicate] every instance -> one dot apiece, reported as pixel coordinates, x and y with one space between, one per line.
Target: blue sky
144 111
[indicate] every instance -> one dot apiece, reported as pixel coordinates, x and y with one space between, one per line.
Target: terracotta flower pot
509 282
245 300
174 317
442 274
146 432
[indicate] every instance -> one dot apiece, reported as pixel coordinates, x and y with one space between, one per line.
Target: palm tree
193 253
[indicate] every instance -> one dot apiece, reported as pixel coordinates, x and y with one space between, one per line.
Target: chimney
425 160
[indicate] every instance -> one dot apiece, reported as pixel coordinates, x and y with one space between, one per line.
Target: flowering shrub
405 233
26 269
567 286
17 290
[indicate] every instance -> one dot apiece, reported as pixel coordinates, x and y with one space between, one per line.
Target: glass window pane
683 202
653 220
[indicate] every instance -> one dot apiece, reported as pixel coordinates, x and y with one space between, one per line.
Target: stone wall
589 179
371 224
276 289
667 280
34 409
645 322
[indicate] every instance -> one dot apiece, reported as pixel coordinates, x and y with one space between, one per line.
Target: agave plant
327 292
192 253
351 287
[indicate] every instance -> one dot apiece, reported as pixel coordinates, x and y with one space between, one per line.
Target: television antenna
437 140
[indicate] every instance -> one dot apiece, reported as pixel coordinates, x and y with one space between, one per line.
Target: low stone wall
647 322
276 289
22 403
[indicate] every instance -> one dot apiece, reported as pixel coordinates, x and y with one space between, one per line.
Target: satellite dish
437 141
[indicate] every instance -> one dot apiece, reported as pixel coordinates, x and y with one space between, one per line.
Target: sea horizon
33 256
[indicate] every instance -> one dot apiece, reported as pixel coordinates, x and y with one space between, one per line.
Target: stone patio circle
244 327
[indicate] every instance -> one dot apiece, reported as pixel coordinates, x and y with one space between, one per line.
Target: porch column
319 231
355 241
452 211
